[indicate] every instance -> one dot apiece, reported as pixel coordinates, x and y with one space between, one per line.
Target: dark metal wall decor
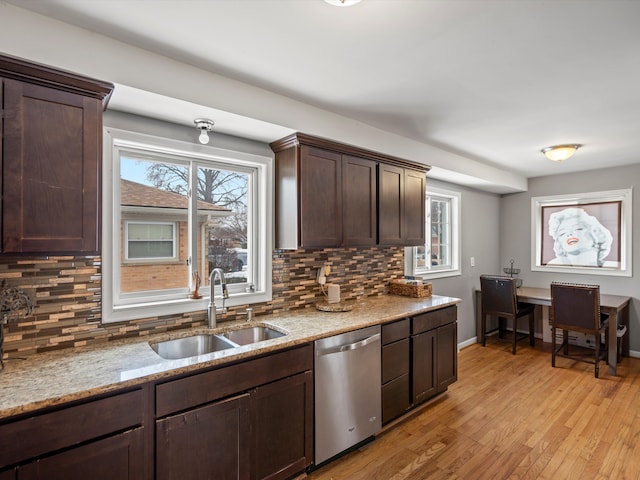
13 303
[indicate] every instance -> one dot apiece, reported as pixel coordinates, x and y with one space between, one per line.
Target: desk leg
546 324
612 355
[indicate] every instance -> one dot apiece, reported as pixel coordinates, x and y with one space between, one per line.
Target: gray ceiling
493 81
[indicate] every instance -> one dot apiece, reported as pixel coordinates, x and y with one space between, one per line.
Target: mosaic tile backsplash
66 295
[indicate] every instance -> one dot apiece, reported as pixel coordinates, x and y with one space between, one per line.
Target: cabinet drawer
205 387
392 332
117 457
395 360
395 398
434 319
47 432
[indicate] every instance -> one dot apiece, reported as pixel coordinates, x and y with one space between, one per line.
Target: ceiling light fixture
205 126
559 153
342 3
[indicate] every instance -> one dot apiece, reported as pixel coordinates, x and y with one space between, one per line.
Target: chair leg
553 346
565 341
515 336
483 326
597 369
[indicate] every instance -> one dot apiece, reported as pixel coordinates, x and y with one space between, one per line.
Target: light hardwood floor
512 417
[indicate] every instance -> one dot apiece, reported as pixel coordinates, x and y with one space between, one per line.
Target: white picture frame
604 218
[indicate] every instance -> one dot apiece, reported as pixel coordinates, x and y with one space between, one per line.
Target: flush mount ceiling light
559 153
342 3
205 126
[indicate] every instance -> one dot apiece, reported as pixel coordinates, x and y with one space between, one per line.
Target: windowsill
439 274
137 311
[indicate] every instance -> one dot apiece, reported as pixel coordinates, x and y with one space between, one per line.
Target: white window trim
440 272
114 140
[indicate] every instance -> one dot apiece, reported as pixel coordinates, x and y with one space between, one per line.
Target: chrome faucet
213 309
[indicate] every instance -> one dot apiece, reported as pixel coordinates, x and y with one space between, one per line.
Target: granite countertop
52 378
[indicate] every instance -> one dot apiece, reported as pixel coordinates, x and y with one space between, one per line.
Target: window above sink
156 235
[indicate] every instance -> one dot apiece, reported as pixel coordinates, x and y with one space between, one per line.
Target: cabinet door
414 208
390 205
320 198
282 427
424 363
359 193
8 474
114 458
51 170
447 355
205 443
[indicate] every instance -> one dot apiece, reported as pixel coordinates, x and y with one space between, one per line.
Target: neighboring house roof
137 195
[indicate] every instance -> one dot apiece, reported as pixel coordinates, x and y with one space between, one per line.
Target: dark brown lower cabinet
282 427
99 439
419 360
251 420
8 475
266 433
434 347
117 457
205 443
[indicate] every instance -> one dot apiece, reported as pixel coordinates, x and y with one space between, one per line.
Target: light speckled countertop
56 377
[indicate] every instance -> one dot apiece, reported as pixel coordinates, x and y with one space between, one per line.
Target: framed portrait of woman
582 233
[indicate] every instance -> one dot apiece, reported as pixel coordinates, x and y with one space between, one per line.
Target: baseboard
472 340
467 343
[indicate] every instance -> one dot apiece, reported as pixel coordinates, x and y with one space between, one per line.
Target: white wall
516 231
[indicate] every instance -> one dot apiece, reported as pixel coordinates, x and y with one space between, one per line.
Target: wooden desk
616 306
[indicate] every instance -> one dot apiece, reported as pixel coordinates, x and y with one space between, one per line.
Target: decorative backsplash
66 295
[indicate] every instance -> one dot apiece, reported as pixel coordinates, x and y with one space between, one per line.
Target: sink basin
192 346
245 336
208 342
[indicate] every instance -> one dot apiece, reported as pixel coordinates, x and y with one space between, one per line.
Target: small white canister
334 293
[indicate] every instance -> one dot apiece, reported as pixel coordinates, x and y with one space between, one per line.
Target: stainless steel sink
207 343
248 335
192 346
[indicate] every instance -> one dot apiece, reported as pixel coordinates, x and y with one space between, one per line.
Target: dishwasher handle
350 346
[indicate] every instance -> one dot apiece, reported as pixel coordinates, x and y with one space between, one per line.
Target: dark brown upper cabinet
401 205
51 159
334 195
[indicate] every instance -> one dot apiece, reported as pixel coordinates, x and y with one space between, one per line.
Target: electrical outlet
473 261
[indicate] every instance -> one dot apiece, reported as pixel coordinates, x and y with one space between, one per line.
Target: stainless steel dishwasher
347 391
